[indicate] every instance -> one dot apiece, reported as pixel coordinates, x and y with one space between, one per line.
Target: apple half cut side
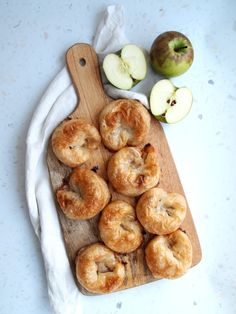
169 103
126 68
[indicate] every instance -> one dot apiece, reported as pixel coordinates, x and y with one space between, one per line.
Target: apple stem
178 49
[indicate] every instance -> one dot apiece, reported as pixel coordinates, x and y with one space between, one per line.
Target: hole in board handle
82 62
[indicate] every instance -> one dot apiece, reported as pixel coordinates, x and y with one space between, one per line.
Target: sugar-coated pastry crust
124 122
98 269
119 227
160 212
169 256
132 171
85 195
73 140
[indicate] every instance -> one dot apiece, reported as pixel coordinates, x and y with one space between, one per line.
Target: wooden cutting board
83 66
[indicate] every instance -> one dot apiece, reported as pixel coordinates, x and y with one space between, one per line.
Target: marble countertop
34 37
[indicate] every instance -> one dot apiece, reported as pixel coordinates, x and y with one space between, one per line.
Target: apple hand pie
119 227
132 171
160 212
73 140
124 122
169 256
85 195
98 269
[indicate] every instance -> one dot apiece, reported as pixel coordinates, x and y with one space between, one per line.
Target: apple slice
126 68
169 103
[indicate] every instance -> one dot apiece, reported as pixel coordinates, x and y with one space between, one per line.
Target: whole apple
171 54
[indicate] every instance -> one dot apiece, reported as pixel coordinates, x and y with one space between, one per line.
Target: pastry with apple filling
124 122
84 196
132 171
98 269
119 227
169 256
161 212
73 140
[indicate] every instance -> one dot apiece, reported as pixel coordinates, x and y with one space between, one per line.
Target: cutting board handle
83 66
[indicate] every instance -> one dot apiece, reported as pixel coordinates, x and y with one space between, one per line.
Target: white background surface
33 39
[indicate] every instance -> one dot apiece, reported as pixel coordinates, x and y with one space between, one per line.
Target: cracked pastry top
161 212
85 195
124 122
98 269
73 140
169 256
133 171
119 228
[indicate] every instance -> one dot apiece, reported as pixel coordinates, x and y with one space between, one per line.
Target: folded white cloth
56 104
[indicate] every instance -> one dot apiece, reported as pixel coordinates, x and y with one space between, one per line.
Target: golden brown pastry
124 122
98 269
85 196
73 140
169 256
160 212
119 227
132 171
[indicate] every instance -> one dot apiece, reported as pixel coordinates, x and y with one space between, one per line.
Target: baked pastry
132 171
124 122
169 256
119 227
85 195
73 140
160 212
98 269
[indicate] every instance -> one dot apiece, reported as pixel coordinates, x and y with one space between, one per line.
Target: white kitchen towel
56 104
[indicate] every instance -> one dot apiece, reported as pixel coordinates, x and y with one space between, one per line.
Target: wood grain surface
84 69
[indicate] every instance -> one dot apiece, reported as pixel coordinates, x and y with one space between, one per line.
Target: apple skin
171 54
161 119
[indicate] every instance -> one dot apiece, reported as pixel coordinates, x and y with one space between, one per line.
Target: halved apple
169 103
126 68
